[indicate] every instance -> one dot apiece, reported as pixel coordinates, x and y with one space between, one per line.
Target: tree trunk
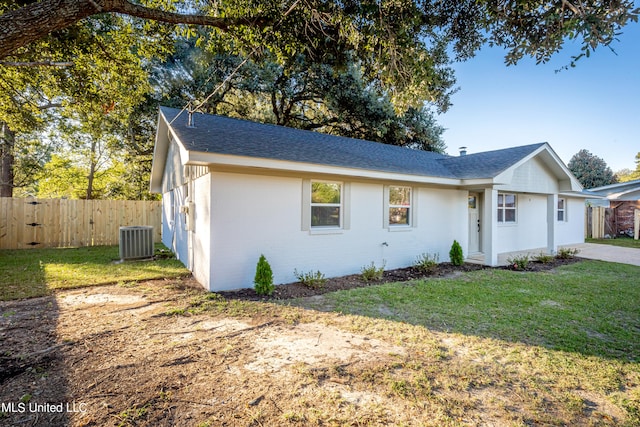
7 144
27 24
92 169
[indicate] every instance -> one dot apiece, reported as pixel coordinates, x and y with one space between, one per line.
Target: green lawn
625 242
590 307
35 272
540 348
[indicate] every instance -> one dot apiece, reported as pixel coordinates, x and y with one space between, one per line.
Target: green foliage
370 273
455 254
302 94
311 279
629 175
322 65
543 258
519 262
426 263
590 170
567 253
263 281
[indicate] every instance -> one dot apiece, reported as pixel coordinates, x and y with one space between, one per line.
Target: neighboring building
234 189
624 199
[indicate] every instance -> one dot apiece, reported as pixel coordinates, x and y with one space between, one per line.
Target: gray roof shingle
224 135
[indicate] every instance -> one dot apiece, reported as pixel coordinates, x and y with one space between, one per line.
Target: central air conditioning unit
136 242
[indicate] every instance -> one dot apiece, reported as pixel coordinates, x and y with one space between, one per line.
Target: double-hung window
399 206
507 208
326 204
562 210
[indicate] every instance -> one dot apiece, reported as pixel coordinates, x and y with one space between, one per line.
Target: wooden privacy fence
50 223
599 222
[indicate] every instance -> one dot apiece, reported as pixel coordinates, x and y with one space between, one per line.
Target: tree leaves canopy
590 170
400 42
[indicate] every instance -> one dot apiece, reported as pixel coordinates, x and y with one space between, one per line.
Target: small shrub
263 282
426 263
519 262
372 273
567 253
544 258
311 279
455 254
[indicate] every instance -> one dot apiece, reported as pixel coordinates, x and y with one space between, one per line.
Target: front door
474 223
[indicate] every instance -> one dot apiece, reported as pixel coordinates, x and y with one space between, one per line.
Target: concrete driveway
608 253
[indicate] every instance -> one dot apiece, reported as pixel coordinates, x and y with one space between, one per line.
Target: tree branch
127 8
22 26
37 64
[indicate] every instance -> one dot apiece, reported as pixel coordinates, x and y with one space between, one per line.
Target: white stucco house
234 189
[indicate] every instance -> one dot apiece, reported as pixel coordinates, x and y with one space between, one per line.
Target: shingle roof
224 135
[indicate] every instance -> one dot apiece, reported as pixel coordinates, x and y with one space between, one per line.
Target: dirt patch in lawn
136 356
166 353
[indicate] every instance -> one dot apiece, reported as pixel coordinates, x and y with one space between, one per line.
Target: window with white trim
326 204
507 208
562 210
399 206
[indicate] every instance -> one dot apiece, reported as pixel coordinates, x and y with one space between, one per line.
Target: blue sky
595 106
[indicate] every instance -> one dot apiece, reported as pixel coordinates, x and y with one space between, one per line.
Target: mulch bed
445 269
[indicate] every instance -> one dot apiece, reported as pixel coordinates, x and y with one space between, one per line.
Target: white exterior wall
201 232
174 234
532 182
253 215
167 219
174 191
530 229
571 231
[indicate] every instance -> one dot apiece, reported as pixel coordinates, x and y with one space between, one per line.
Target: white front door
474 223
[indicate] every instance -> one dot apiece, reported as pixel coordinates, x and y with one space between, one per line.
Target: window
506 208
472 202
562 210
399 205
326 204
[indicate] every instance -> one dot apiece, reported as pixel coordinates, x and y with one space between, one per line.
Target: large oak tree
53 51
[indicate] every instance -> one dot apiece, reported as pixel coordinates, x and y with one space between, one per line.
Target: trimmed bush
567 253
372 273
519 262
263 282
544 258
311 279
426 263
455 254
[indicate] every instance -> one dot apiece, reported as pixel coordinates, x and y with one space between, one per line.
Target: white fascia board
479 182
203 159
580 195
